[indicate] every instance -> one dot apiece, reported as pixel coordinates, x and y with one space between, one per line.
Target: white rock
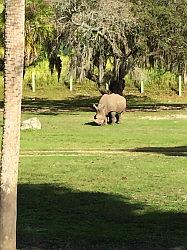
32 123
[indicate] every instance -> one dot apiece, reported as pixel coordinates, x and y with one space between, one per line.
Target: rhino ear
95 107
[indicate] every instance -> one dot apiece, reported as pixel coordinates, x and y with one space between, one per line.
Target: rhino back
113 102
104 99
116 103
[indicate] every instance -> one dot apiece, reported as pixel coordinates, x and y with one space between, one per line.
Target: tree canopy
96 32
125 33
163 31
104 39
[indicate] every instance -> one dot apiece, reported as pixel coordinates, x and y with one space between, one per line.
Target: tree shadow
168 151
57 217
85 103
54 107
46 106
145 103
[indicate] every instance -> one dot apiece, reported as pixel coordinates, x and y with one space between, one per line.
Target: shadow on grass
46 107
85 103
145 103
168 151
53 107
91 124
56 217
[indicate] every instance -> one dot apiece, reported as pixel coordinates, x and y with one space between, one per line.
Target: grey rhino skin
109 109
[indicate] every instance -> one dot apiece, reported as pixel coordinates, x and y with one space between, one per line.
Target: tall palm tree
13 77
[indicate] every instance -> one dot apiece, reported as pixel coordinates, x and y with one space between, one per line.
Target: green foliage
43 76
39 29
93 32
163 33
153 80
48 84
144 33
160 80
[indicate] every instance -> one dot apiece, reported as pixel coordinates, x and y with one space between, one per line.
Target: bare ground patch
166 117
168 151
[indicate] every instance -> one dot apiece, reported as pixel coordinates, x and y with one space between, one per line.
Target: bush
43 75
160 80
153 79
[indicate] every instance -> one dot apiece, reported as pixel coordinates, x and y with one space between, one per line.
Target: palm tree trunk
14 55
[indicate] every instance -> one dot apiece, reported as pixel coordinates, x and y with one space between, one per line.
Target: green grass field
83 186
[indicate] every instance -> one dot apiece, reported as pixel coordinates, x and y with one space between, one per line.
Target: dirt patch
169 151
166 117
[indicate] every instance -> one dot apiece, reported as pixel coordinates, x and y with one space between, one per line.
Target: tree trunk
117 82
114 78
14 59
117 86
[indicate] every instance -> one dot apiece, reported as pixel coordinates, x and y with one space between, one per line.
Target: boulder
32 123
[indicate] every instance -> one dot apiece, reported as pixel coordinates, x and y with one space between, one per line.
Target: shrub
153 79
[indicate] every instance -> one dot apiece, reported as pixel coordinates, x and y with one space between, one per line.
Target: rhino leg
118 116
113 117
109 118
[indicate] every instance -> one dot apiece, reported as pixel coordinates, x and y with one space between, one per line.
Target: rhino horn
95 107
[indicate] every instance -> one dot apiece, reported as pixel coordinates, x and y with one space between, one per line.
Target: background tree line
105 39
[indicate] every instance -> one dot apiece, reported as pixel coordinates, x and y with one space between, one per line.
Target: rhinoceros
109 109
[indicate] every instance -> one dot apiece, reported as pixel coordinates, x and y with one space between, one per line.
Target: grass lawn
83 186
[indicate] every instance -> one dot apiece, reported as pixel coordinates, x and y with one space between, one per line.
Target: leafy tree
39 30
105 39
163 33
97 32
125 33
